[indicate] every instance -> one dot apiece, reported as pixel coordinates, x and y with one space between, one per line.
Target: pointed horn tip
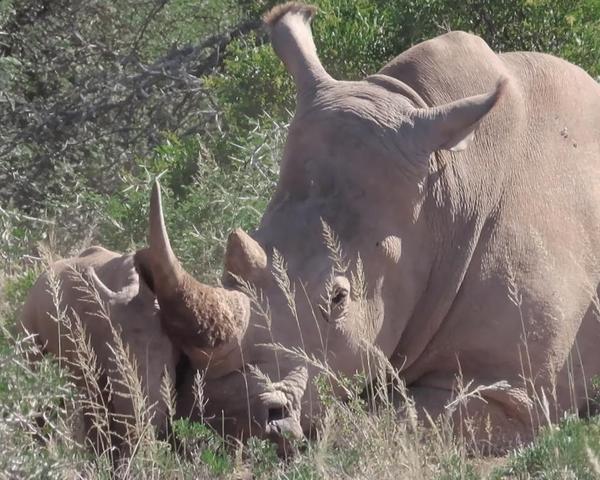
276 14
243 255
155 194
156 212
236 234
235 240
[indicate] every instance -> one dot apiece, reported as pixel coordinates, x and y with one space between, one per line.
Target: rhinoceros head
210 325
355 163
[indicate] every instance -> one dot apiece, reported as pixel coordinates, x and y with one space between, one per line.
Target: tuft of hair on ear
279 11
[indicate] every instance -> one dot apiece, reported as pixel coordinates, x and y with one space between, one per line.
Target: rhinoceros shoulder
458 64
452 66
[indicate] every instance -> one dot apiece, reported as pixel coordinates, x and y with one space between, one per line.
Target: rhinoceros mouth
284 429
288 428
275 414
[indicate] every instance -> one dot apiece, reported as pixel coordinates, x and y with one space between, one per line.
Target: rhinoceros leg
489 425
575 390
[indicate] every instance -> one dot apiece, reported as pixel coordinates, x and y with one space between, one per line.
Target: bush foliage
98 97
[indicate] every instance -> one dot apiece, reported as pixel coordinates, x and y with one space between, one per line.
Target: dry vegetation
374 433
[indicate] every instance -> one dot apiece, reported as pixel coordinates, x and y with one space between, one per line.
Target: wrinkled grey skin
476 215
133 312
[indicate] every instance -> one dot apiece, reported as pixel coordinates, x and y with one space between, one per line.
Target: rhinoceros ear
452 126
244 257
292 40
106 294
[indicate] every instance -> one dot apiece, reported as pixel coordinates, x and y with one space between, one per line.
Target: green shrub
356 38
35 422
198 441
14 291
203 202
570 449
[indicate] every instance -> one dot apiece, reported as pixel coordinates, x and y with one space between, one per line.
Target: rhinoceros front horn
196 316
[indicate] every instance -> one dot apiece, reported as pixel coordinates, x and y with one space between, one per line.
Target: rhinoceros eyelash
339 297
334 302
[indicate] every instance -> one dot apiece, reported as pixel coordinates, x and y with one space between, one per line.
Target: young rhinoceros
103 291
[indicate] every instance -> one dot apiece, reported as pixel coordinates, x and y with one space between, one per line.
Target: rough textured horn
292 40
194 315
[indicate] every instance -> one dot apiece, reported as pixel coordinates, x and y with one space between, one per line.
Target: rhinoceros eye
334 305
339 297
340 290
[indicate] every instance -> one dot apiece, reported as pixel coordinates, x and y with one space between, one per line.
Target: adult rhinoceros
469 182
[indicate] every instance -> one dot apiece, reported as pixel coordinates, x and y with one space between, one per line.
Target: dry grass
375 432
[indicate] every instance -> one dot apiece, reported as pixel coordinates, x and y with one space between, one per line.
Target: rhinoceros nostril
277 413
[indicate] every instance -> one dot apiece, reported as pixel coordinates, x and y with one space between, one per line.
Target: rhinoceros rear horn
292 40
452 126
194 315
244 257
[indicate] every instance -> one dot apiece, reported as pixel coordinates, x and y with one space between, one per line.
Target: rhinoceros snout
277 409
283 428
284 423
